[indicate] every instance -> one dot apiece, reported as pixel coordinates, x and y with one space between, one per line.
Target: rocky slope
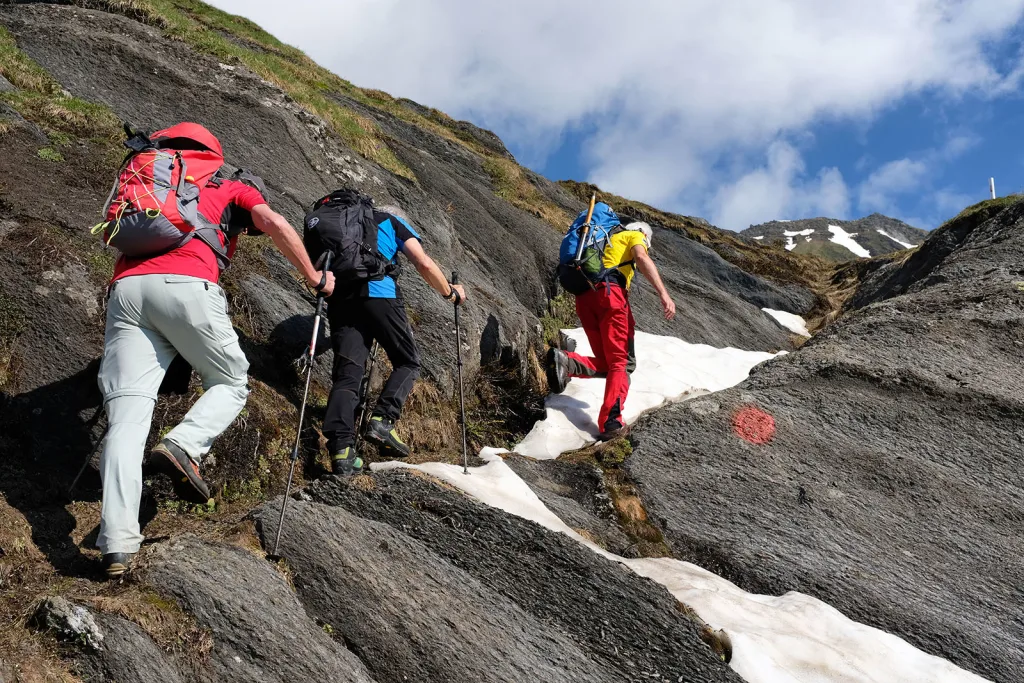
874 235
892 488
70 74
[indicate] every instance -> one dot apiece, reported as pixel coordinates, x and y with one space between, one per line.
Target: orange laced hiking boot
167 458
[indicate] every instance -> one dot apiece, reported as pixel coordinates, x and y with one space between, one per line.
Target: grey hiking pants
151 319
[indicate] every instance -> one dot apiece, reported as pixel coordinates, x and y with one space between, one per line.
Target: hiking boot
116 564
346 462
612 432
557 370
381 432
565 342
167 458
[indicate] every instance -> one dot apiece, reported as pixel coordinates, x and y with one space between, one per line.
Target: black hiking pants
355 323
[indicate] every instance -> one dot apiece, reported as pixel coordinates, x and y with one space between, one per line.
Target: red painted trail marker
753 425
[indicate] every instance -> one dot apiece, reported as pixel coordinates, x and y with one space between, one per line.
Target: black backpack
345 223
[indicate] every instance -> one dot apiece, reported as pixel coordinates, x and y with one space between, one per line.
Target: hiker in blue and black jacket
367 307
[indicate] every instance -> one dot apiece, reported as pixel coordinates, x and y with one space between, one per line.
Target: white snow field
793 638
790 244
903 244
759 238
670 369
845 239
790 321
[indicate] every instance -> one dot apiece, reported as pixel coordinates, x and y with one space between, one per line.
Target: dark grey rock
628 625
576 493
5 85
260 630
892 488
408 613
109 648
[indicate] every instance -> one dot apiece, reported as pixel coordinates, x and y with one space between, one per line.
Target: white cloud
880 190
780 190
671 89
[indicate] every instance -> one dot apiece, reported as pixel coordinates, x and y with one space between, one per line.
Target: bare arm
650 271
287 241
429 271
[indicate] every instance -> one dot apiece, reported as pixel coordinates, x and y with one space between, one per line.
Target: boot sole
116 571
552 372
185 486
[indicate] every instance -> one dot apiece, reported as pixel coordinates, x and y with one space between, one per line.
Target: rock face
892 485
875 234
52 285
417 577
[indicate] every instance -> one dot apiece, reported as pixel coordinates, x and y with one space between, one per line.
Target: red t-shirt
231 201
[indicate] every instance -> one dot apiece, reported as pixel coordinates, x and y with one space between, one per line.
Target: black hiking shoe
116 564
611 433
167 458
381 432
557 366
346 462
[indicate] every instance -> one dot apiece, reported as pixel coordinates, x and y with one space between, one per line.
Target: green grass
41 100
561 315
512 185
982 211
50 154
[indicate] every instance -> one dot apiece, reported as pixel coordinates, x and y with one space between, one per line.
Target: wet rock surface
891 488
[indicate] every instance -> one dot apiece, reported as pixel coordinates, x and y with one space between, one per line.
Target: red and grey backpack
154 205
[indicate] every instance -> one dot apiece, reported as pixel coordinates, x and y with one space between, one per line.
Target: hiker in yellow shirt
608 321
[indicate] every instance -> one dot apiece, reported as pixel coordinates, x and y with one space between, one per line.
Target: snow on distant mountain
838 240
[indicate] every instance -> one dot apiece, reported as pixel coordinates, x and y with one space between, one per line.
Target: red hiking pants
608 321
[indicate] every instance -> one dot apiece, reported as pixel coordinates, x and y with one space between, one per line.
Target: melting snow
845 239
759 238
790 244
669 369
793 638
883 233
790 321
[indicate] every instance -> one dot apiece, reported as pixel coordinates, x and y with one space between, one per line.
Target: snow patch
792 638
668 369
790 321
786 639
790 244
759 238
845 239
903 244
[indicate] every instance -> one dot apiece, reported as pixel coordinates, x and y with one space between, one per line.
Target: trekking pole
318 316
364 396
462 396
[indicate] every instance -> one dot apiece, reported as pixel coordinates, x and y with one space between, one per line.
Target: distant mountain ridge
837 240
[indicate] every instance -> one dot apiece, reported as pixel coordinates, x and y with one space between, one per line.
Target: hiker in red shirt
167 304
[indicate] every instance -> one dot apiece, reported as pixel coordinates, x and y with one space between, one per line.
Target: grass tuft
512 185
50 154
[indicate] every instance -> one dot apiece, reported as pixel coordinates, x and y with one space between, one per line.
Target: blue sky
740 111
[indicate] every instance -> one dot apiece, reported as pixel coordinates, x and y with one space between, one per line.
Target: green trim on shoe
381 432
346 462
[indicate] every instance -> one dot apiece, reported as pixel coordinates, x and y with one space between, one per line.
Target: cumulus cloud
779 190
667 91
892 180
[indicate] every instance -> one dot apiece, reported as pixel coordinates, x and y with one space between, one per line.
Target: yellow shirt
620 248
